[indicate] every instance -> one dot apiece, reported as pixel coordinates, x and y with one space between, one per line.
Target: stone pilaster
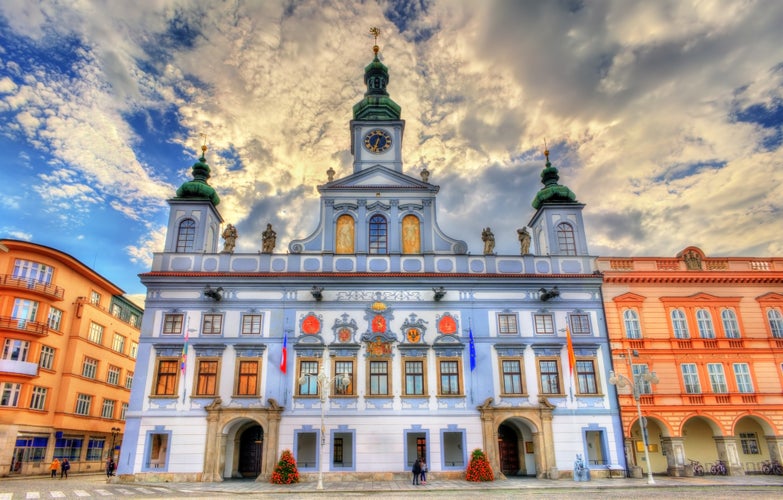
775 445
674 449
727 451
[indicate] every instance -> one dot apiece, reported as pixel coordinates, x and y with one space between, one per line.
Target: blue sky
663 117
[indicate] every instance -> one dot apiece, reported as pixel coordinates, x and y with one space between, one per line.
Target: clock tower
376 128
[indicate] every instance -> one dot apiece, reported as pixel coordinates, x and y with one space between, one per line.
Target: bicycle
719 469
698 468
771 467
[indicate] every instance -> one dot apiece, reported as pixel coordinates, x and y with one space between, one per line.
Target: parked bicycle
698 468
719 469
771 467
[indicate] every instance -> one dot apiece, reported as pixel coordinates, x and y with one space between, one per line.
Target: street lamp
323 381
623 381
115 431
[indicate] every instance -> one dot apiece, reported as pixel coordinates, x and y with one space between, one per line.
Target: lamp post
323 381
115 431
623 381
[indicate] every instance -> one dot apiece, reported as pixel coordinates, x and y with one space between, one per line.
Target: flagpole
184 365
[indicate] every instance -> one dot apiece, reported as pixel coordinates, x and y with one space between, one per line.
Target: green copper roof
552 192
198 187
376 105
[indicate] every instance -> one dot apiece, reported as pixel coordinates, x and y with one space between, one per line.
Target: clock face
377 141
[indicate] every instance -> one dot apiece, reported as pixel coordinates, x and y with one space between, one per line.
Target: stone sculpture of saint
489 241
269 239
524 241
230 236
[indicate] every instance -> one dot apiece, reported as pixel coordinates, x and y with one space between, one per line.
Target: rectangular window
212 324
34 272
83 403
157 451
95 298
15 350
580 324
118 343
586 377
750 443
108 408
66 447
89 367
690 378
545 324
172 324
123 410
30 449
10 395
24 310
717 378
133 320
742 376
549 373
308 373
507 324
95 449
206 384
338 450
113 375
46 360
95 333
247 378
166 377
414 377
134 350
38 399
55 318
512 376
129 380
379 378
251 324
449 378
343 383
639 370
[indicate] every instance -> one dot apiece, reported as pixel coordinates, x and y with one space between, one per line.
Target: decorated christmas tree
479 468
285 470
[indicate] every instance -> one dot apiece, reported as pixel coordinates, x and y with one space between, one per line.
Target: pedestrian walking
416 471
55 467
65 466
423 471
110 467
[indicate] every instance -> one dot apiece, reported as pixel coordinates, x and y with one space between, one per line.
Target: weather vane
204 145
376 32
546 150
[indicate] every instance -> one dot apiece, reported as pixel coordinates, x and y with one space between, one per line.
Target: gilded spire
376 105
375 32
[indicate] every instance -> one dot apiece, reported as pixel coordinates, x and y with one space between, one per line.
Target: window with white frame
95 333
680 324
108 408
742 377
717 378
10 395
89 367
690 378
631 321
212 324
750 443
118 343
38 398
134 350
15 349
730 324
704 322
580 323
251 324
123 410
32 271
128 380
55 319
544 324
775 323
113 375
83 403
507 324
24 309
46 361
95 298
639 370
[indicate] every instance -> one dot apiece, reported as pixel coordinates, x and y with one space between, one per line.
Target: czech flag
284 354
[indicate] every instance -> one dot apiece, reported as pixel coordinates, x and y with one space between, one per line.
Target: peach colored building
69 343
712 331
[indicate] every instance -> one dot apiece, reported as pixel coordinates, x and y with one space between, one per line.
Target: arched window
565 239
378 234
704 320
775 323
186 235
632 328
730 324
345 234
680 324
411 236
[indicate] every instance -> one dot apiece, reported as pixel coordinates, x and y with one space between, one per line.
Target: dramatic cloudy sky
664 117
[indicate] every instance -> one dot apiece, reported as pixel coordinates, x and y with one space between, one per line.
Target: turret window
565 239
186 235
378 234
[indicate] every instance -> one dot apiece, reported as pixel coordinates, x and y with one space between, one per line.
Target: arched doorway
251 442
516 451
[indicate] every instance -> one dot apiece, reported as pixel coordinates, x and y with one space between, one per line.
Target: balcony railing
46 289
25 326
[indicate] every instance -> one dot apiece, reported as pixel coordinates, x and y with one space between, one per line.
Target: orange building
69 342
712 331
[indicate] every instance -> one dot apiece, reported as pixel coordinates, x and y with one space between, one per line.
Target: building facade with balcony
69 341
432 352
711 328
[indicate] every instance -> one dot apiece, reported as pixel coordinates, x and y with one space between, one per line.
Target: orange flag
571 356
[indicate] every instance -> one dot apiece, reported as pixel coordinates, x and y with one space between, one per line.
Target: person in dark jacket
416 471
65 466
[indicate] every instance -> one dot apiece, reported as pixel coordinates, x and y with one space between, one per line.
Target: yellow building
69 342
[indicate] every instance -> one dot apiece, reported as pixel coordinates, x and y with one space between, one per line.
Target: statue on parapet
230 236
269 240
489 241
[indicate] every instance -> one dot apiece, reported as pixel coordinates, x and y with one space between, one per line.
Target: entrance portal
508 447
250 447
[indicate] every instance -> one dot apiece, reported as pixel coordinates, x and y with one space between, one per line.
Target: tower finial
375 32
204 145
546 151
